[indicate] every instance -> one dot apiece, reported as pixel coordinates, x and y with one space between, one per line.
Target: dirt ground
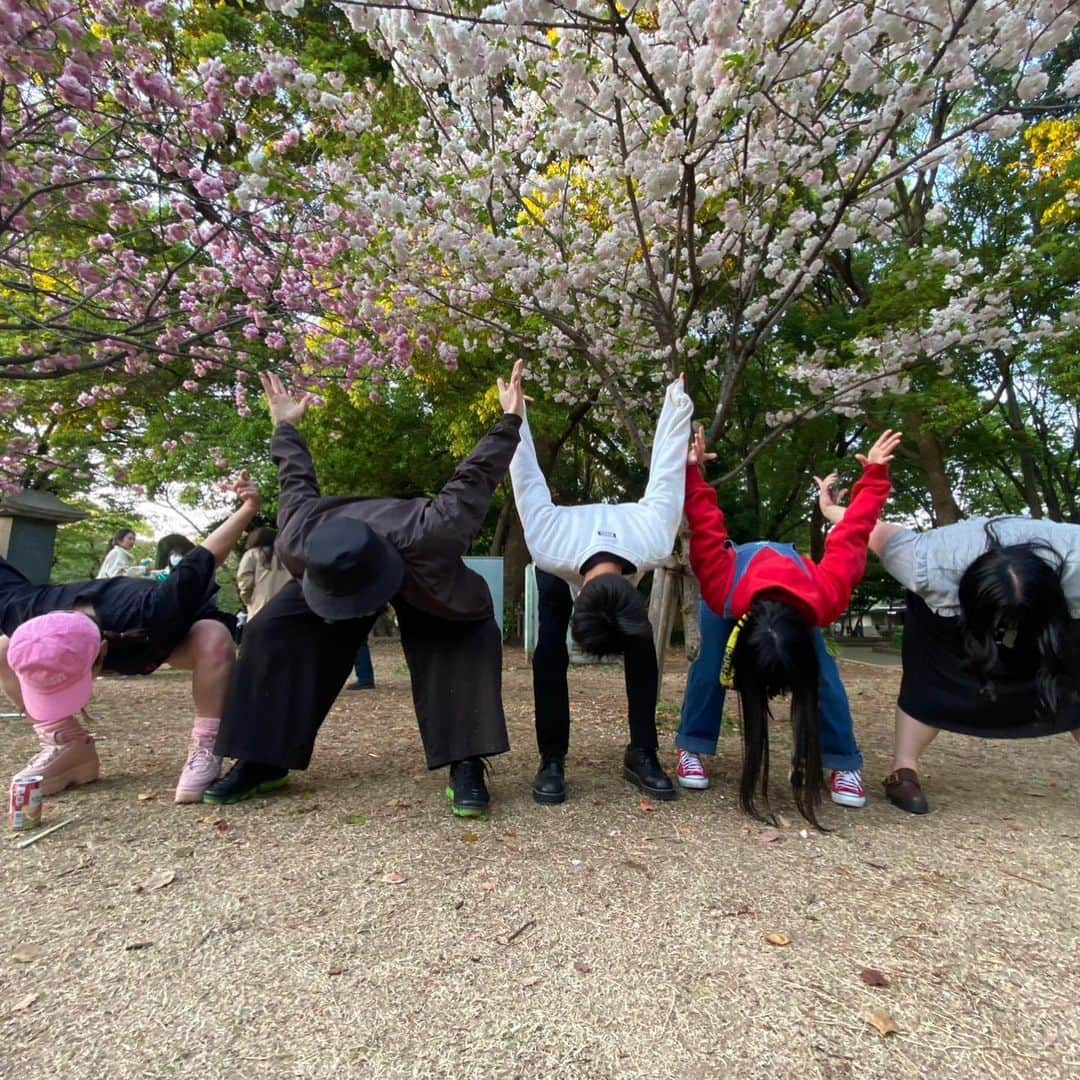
351 927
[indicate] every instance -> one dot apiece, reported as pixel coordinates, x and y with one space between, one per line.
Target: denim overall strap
744 556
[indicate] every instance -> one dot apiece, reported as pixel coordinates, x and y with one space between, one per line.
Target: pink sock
68 724
205 728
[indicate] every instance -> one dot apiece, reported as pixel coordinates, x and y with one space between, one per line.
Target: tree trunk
818 531
691 605
502 526
753 494
945 509
1028 470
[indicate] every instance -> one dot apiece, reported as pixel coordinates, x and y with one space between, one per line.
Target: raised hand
284 408
883 451
245 490
698 455
829 499
511 396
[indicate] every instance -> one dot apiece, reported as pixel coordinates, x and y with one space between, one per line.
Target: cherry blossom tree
160 226
625 193
618 193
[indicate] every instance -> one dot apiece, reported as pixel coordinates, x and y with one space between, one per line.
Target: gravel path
597 939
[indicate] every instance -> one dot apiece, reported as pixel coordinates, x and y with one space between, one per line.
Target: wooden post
662 601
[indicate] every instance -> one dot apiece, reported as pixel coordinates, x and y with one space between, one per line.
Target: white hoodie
561 538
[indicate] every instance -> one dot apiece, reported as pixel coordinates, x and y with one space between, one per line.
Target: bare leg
911 739
209 654
1076 734
8 679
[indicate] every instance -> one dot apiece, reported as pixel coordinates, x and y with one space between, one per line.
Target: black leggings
551 661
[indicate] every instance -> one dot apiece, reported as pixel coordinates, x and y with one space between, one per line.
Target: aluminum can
24 805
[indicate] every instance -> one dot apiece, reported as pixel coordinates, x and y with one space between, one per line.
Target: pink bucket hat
53 657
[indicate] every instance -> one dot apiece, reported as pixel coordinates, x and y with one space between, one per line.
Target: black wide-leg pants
292 665
551 661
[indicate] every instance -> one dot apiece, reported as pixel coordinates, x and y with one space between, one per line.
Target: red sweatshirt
821 591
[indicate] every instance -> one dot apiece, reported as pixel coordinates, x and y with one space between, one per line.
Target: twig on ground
45 832
1030 881
670 1012
84 865
518 932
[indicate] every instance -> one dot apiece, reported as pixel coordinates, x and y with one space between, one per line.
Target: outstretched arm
296 471
830 500
221 542
664 491
844 562
457 513
531 493
711 556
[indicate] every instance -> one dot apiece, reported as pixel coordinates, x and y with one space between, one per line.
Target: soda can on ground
24 805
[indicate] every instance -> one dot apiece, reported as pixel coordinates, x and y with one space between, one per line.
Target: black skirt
293 664
940 689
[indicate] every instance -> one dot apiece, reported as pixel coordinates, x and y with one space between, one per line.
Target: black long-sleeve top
430 534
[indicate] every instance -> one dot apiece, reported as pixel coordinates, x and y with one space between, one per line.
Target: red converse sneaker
690 772
845 787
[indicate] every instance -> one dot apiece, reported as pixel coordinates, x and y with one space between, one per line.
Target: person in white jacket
587 560
118 557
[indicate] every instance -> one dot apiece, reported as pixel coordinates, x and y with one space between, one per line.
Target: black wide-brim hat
350 570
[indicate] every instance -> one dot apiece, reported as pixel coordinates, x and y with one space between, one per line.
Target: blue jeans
365 673
703 703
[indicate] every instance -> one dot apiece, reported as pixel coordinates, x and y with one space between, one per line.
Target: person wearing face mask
170 551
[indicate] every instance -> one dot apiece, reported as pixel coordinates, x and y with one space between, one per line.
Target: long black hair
1011 597
608 611
114 540
775 654
262 540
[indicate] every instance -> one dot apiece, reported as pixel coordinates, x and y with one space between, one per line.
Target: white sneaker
200 770
845 788
690 772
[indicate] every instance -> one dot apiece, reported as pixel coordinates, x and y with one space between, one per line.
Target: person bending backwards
349 557
57 637
991 633
763 605
586 558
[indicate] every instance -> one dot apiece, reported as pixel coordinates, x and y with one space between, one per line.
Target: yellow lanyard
727 669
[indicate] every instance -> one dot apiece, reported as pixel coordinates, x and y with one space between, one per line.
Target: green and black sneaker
467 790
243 780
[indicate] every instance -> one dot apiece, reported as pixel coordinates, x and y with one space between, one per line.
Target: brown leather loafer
902 789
